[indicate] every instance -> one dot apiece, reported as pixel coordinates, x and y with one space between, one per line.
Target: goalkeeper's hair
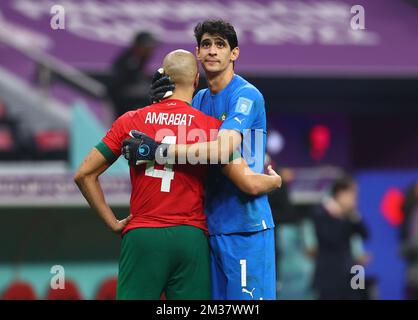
216 27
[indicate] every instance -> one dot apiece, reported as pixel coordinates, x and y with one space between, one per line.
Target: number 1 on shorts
243 264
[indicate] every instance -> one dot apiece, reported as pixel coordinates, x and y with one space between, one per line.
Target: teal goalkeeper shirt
241 107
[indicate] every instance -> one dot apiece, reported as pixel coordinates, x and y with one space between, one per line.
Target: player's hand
274 174
141 148
161 87
353 215
121 224
364 259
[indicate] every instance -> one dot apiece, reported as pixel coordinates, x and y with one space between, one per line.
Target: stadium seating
19 290
9 144
107 289
51 144
70 292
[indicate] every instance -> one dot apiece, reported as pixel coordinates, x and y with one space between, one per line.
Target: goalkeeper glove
161 87
141 148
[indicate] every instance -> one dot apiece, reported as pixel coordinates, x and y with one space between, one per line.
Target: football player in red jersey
164 245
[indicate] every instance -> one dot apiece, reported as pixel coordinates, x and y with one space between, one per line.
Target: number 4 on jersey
165 175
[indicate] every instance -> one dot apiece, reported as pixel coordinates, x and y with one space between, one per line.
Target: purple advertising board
275 37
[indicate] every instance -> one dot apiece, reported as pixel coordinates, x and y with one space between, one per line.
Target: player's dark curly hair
342 184
216 27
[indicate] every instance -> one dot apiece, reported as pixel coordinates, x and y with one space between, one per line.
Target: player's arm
243 111
141 148
216 151
250 182
87 180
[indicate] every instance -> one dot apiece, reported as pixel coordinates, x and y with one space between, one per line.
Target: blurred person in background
294 266
338 226
128 74
282 208
409 241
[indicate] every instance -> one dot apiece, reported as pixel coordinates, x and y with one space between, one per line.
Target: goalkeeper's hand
161 87
141 148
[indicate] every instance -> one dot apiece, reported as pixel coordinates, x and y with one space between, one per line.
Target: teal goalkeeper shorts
174 260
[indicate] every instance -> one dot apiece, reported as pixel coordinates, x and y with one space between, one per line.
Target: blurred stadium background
338 100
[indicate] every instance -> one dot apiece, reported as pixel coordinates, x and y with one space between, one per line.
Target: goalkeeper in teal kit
241 228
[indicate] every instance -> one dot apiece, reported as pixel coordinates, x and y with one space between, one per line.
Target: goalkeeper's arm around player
237 170
250 182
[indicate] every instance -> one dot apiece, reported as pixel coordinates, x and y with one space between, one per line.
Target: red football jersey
166 195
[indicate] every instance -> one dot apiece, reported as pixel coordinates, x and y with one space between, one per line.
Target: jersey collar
234 78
